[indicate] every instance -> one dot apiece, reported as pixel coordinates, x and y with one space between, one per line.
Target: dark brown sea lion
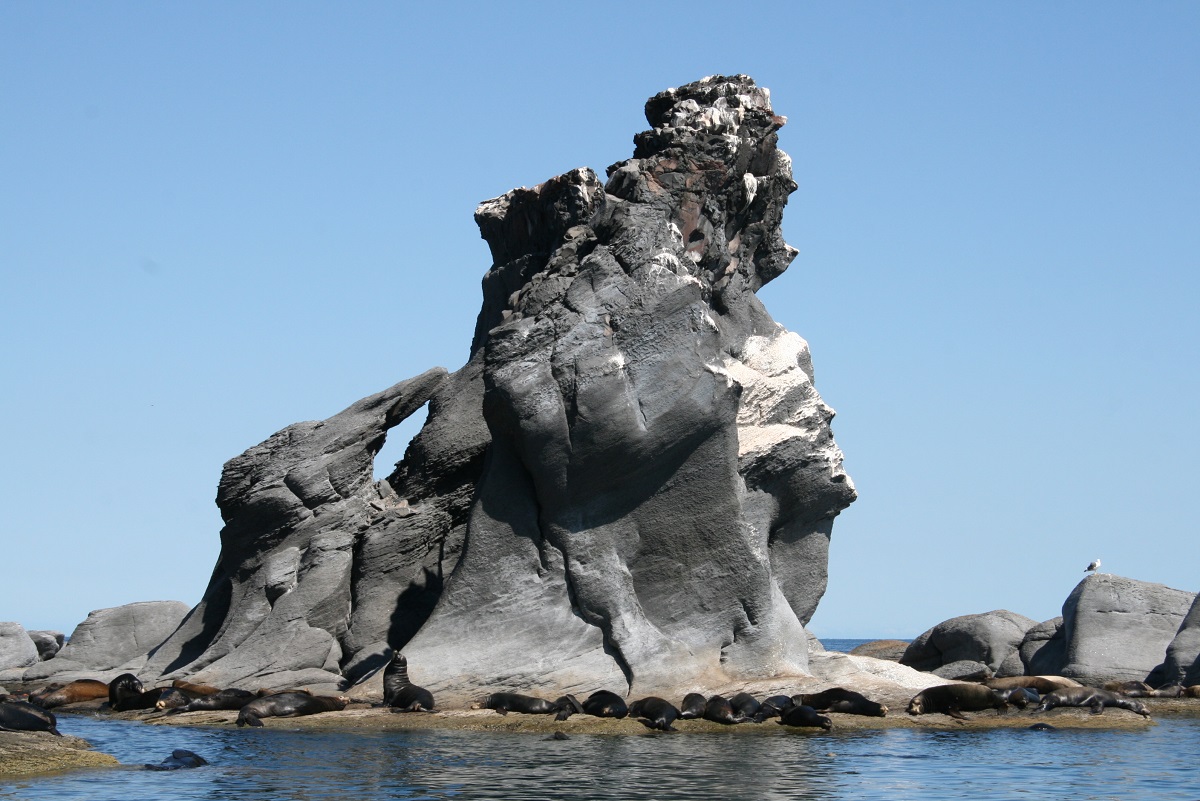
515 702
838 699
180 759
773 707
745 705
1192 691
288 705
195 690
693 706
1043 684
605 704
125 693
225 699
1091 697
654 713
567 705
803 715
56 695
719 710
173 698
400 693
1021 697
24 716
1131 689
954 699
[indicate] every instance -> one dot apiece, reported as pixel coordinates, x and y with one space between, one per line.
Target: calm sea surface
275 763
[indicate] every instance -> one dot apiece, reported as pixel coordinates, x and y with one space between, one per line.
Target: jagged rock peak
717 104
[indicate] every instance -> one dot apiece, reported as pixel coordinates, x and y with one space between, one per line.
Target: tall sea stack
631 484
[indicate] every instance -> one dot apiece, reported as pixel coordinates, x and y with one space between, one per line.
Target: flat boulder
988 638
17 649
1119 629
890 650
112 638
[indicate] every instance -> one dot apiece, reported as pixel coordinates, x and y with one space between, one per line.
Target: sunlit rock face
631 484
655 506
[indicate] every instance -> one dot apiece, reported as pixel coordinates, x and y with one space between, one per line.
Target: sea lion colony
31 713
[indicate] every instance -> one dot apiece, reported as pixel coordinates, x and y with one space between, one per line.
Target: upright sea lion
719 710
24 716
288 705
56 695
1091 697
125 692
179 759
803 715
954 699
515 702
745 705
225 699
693 706
605 704
400 693
654 713
838 699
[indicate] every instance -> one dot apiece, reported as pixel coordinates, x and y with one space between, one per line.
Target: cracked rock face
631 484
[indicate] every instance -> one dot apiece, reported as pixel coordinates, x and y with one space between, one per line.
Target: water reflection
893 765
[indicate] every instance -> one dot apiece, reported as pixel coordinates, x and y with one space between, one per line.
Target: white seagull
1093 567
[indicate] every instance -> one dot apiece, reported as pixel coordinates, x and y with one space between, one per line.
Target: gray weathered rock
113 638
1118 629
988 638
1044 649
300 510
891 650
656 503
17 649
1182 664
48 643
963 670
632 482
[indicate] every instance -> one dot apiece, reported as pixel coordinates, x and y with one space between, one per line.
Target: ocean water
275 763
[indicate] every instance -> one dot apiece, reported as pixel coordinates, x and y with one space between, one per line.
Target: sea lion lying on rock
24 716
515 702
1091 697
654 713
288 705
55 695
804 716
954 699
1043 684
693 706
225 699
838 699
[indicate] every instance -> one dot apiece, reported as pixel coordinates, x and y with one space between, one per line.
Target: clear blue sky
219 219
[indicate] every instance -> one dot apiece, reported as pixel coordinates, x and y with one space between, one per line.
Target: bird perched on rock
1093 567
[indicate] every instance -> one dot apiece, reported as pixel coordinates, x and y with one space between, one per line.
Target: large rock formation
632 482
17 649
988 638
1182 665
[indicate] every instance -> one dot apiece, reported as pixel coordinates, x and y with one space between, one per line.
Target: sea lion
838 699
773 707
126 692
1043 684
654 713
400 693
56 695
803 715
1091 697
567 705
195 690
605 704
288 705
515 702
954 699
692 706
178 760
1170 691
225 699
1043 727
24 716
719 710
745 705
1192 692
1131 689
1021 697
